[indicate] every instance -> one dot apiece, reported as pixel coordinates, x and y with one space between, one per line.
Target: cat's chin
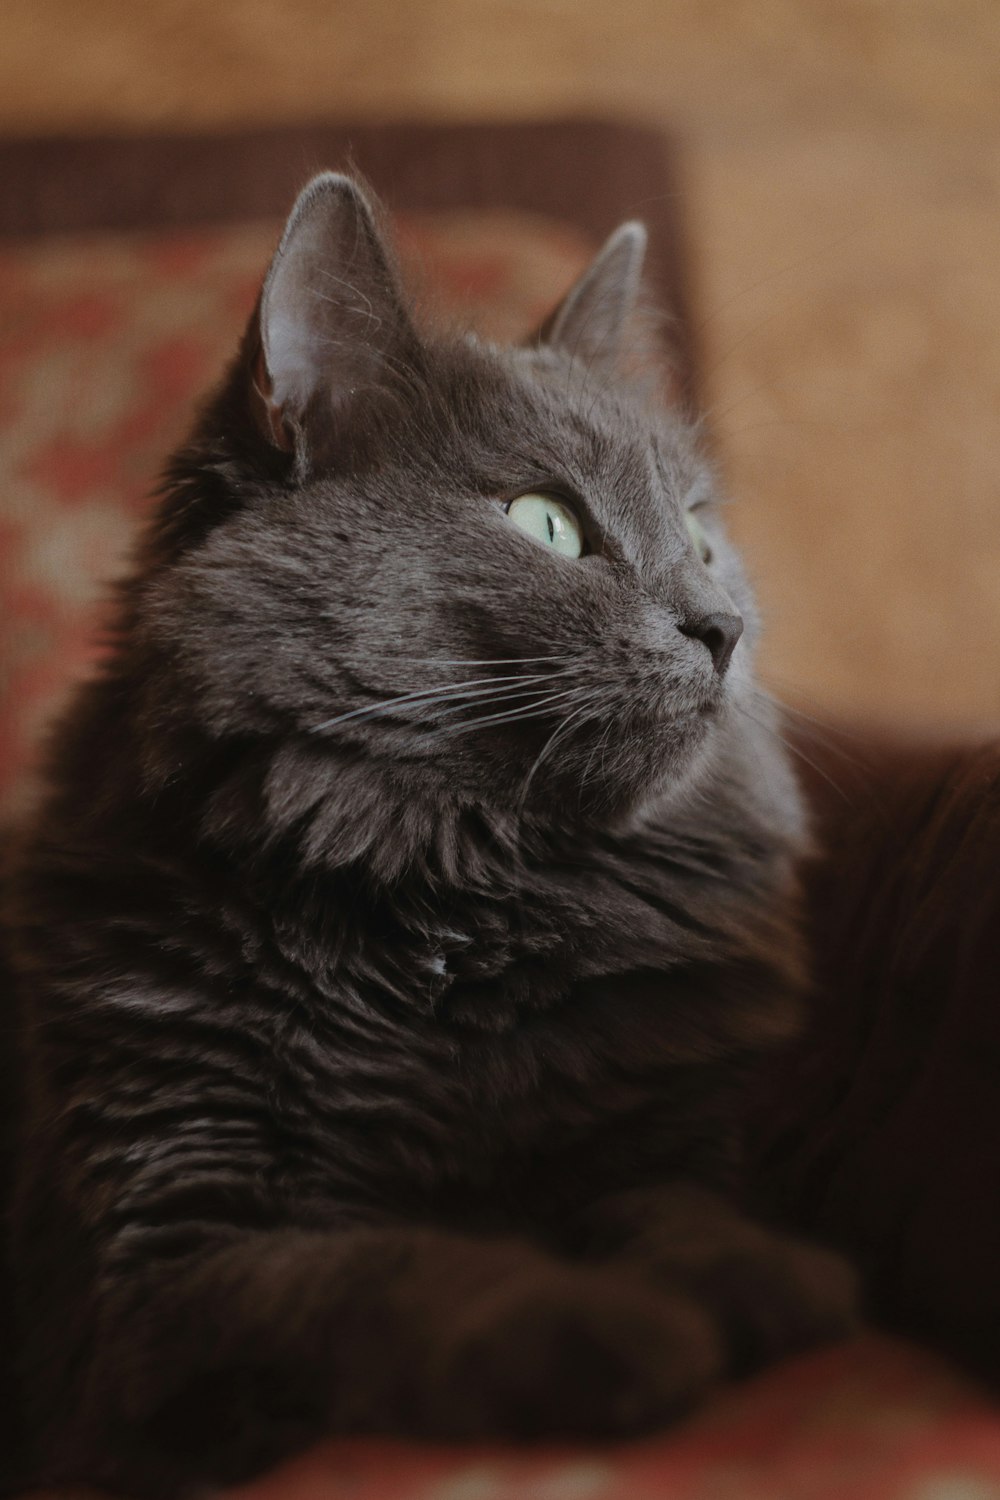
658 761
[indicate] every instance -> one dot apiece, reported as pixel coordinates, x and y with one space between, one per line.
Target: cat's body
408 914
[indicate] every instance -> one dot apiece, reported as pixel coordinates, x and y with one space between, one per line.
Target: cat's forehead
599 425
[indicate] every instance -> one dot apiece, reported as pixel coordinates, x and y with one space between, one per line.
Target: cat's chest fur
463 1037
484 959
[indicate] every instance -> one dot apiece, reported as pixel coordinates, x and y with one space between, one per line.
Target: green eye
549 521
696 532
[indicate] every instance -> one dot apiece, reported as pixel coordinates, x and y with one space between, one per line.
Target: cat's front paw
778 1296
574 1353
767 1293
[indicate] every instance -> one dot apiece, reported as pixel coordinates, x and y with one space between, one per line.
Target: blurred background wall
841 165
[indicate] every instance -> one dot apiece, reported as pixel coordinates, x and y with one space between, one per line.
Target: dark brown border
589 173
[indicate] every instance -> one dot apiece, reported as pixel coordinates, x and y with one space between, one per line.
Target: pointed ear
330 321
592 320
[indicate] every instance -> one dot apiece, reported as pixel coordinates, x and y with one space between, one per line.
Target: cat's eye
698 535
550 521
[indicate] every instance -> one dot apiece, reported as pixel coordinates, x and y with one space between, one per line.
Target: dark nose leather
720 632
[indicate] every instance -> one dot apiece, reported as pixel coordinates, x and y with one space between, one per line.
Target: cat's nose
720 632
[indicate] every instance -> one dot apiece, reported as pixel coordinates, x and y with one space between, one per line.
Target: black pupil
552 529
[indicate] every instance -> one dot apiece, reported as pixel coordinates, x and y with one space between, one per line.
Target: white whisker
533 711
793 749
505 695
444 691
463 661
549 745
600 744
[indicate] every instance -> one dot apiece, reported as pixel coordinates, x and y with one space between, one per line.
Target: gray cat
412 906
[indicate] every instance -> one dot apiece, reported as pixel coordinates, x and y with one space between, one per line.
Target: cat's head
494 574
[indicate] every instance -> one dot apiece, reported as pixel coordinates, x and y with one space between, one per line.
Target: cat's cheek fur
407 915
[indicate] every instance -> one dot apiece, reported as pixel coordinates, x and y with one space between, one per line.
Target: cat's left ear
593 320
330 322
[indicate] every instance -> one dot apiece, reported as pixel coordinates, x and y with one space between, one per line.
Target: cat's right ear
330 323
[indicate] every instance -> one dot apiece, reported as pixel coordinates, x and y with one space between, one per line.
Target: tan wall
843 172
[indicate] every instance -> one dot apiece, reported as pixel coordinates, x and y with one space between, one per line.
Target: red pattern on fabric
871 1420
87 316
181 255
71 468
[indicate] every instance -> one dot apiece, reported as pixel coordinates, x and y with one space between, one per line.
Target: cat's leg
210 1369
767 1293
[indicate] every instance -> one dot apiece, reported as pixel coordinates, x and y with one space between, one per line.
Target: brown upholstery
884 1129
